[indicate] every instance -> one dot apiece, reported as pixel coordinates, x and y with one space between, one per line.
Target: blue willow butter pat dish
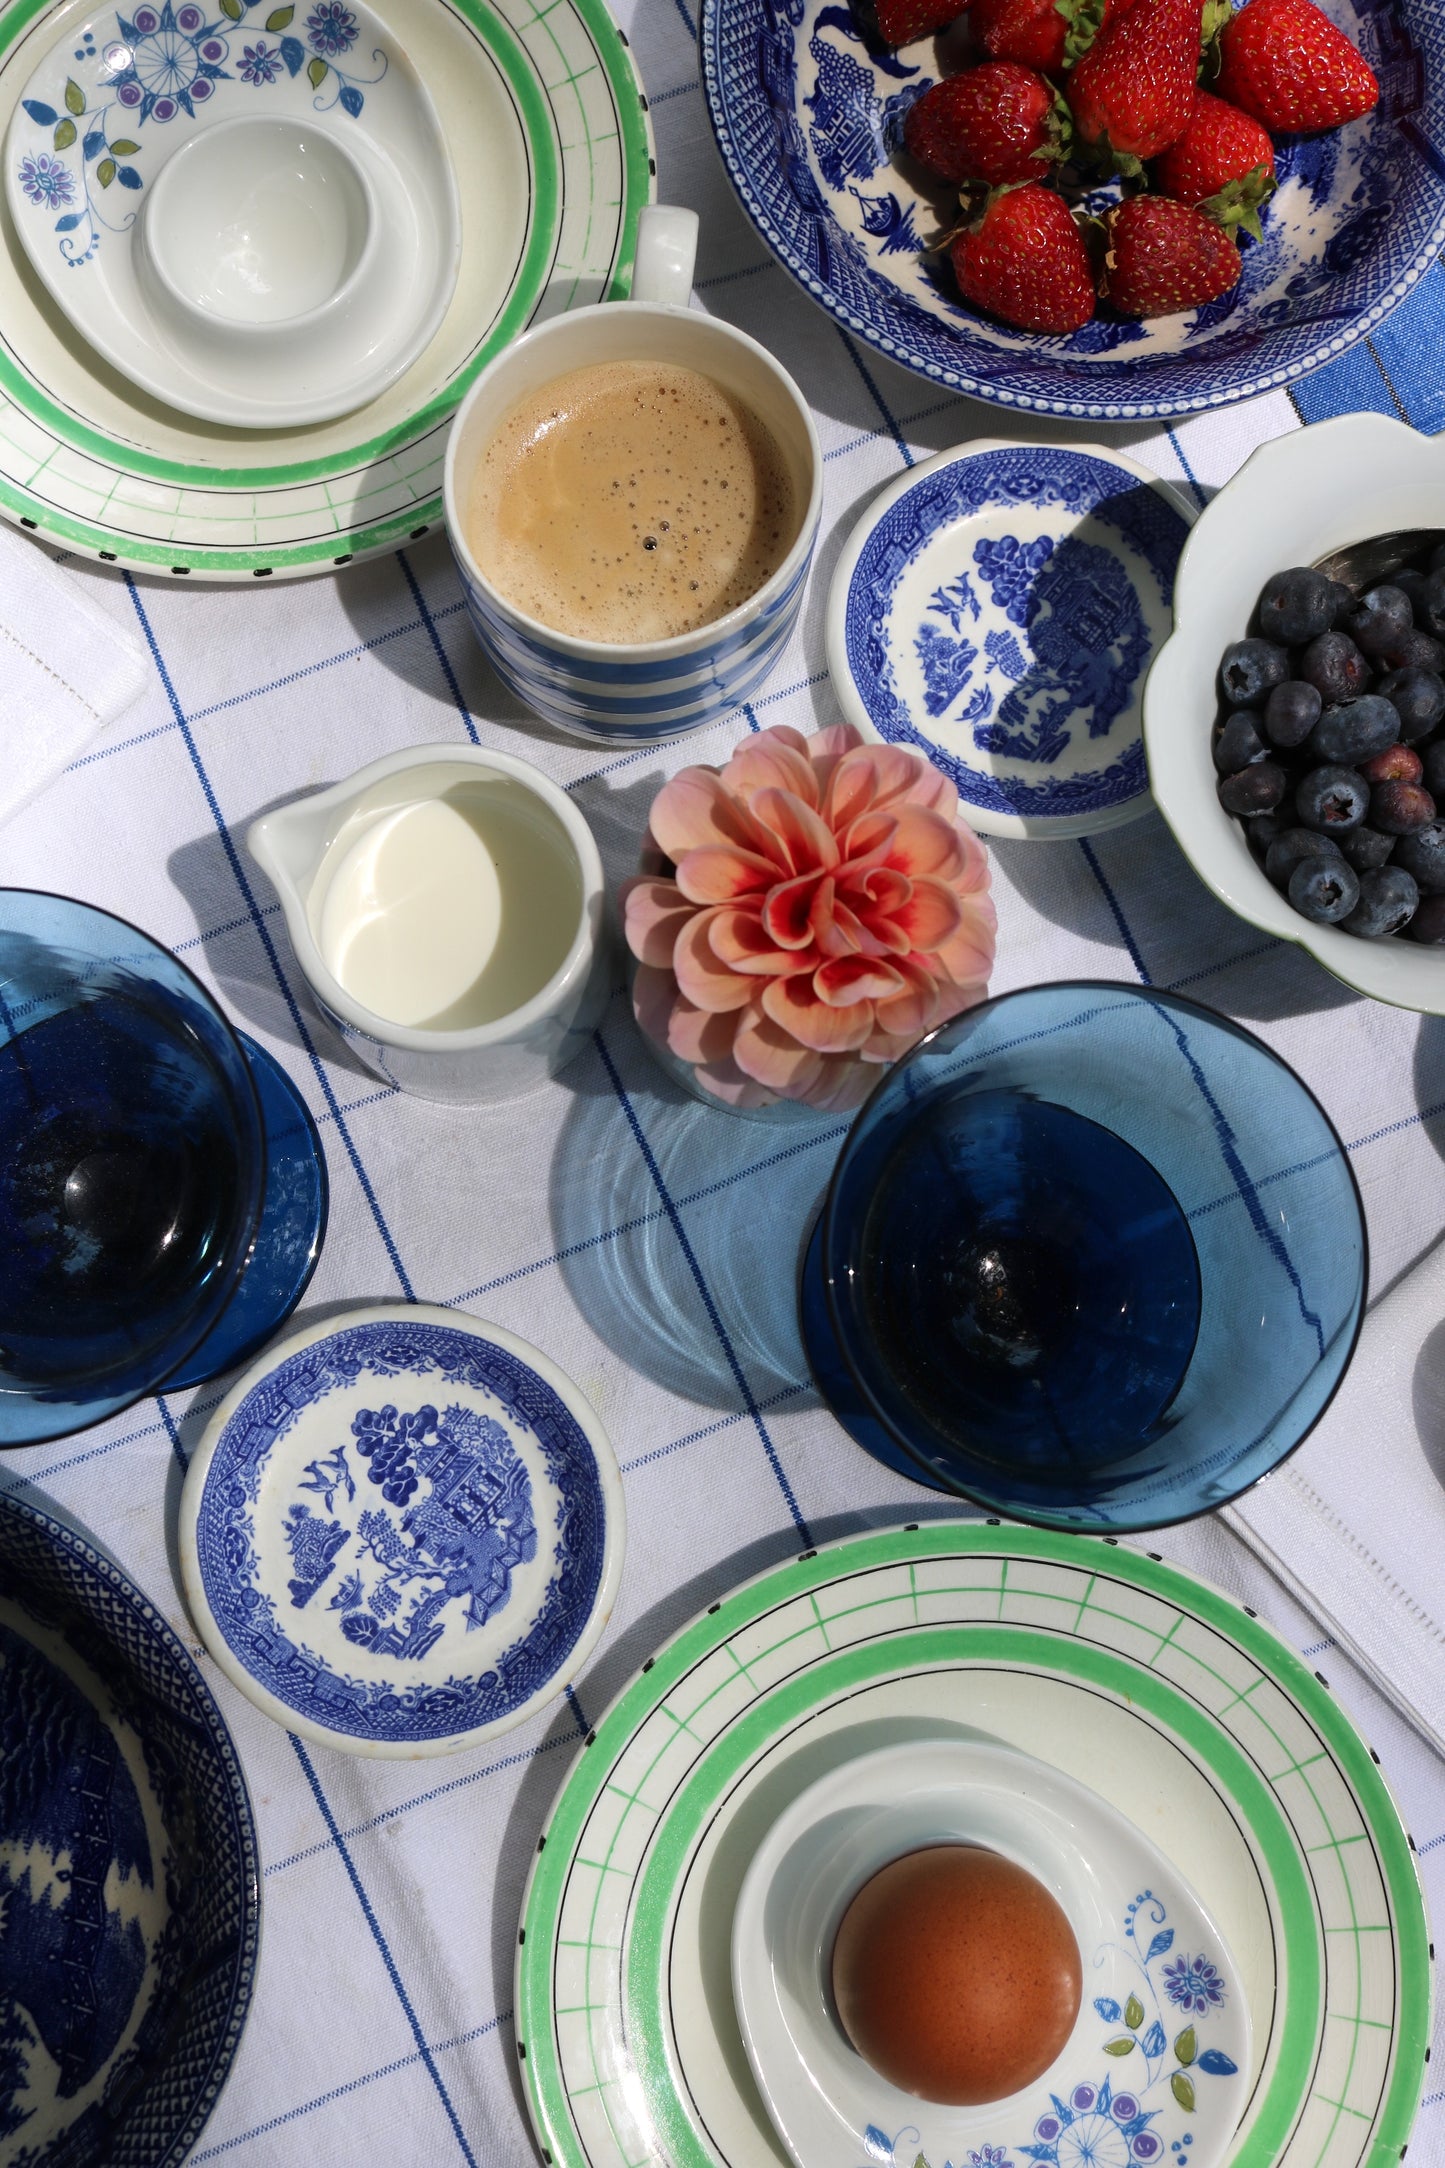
130 1897
402 1534
998 608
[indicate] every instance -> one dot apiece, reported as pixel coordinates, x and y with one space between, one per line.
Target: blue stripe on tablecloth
437 649
263 931
1395 372
384 1947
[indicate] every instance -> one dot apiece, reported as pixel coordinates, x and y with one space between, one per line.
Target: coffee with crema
631 501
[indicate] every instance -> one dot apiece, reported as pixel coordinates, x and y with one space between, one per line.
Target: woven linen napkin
67 669
1354 1523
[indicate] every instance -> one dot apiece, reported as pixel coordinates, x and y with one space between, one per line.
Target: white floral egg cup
251 213
1156 2072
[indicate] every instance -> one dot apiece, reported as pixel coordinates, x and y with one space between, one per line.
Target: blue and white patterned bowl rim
1394 198
983 818
114 1599
415 1720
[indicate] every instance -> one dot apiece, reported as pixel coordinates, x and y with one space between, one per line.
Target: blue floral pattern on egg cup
1101 2122
162 61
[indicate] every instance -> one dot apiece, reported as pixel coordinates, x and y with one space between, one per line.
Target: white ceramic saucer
998 608
1162 2041
251 214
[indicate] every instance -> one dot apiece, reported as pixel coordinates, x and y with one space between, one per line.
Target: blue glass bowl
162 1192
1092 1257
806 117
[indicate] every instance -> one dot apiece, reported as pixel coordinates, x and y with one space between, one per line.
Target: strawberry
1049 35
899 22
1285 62
1024 260
1133 91
998 122
1164 256
1223 162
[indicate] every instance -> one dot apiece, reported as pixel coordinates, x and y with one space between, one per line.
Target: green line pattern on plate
1342 2072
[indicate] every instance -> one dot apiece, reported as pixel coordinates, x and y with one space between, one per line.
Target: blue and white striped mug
638 693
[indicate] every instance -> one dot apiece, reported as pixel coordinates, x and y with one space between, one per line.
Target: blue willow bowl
807 118
1092 1257
129 1882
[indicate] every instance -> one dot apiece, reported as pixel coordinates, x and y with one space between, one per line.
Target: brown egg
956 1974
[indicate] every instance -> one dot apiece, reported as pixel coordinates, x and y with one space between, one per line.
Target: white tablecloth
382 2026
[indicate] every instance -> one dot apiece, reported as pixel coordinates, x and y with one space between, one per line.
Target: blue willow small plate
998 608
130 1897
403 1533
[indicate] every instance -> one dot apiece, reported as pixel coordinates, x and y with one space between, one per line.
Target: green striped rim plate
548 131
1173 1702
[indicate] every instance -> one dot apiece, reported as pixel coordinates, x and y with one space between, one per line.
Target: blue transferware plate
402 1534
130 1901
807 118
998 607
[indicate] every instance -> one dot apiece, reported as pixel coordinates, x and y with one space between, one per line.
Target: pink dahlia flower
805 914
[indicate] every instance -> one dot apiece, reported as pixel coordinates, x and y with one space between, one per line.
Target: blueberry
1423 857
1354 732
1434 776
1334 666
1344 601
1290 850
1437 556
1239 743
1291 712
1388 901
1251 669
1415 651
1324 889
1366 849
1430 608
1379 618
1397 764
1329 799
1418 698
1409 582
1254 790
1428 924
1401 809
1297 606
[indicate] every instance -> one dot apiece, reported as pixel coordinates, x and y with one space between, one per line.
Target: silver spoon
1363 565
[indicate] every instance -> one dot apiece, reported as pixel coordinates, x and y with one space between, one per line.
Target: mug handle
666 254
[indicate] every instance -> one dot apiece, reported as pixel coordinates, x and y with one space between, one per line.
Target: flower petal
909 1014
773 761
869 776
807 839
653 915
925 843
739 938
765 1051
720 872
793 1004
967 956
653 993
701 973
695 809
726 1081
696 1034
845 979
932 914
787 914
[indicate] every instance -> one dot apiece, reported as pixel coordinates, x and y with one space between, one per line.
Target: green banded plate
1174 1703
548 132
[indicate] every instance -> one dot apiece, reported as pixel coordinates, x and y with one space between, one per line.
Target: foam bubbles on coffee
631 501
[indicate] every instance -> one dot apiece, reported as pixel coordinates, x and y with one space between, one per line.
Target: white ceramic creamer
446 907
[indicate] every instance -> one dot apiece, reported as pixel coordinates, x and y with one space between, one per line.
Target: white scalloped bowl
1295 501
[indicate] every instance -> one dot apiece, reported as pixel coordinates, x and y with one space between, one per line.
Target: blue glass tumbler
1092 1257
162 1191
